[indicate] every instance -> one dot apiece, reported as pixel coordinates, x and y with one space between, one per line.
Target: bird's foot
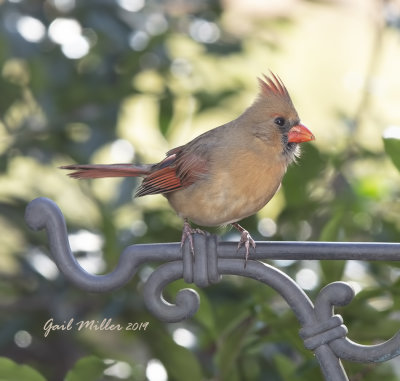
245 240
187 233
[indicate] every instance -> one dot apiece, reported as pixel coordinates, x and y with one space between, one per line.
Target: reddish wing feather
191 167
178 170
160 181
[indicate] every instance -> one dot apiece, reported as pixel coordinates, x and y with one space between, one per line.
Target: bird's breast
232 190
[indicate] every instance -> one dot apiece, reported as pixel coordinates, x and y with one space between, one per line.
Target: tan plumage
228 173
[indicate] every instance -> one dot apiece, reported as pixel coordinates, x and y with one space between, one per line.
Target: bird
227 173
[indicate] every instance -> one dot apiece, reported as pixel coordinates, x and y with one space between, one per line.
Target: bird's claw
245 240
187 233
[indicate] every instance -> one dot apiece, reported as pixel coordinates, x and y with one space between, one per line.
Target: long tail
95 171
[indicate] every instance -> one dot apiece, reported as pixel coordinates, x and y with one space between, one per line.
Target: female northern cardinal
227 173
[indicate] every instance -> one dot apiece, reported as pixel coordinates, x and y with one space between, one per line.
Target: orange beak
300 134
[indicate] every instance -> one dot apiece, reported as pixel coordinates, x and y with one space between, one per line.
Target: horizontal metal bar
280 250
291 250
362 251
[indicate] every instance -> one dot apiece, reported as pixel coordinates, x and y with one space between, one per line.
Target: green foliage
87 368
392 148
286 368
232 341
11 371
179 362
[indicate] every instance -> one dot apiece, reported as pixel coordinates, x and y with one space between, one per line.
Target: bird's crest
273 86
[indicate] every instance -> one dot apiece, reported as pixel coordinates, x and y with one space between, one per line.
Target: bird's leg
187 233
245 239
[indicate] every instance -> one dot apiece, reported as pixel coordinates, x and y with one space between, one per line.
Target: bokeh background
120 81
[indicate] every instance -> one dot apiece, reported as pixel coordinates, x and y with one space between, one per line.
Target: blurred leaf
231 344
332 270
371 187
209 99
11 371
180 362
166 112
330 231
13 92
87 368
286 368
392 148
205 314
299 175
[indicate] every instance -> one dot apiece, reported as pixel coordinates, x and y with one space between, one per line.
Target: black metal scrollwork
323 332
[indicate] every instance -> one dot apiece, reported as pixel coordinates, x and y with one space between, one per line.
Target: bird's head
275 119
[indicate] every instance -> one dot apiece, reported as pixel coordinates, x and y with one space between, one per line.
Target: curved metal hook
200 270
187 300
43 213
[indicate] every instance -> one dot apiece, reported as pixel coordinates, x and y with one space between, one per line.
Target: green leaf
231 345
205 315
166 112
286 368
331 230
13 92
332 270
11 371
181 363
392 148
87 368
298 176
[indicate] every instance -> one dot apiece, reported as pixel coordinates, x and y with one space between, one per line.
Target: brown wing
178 170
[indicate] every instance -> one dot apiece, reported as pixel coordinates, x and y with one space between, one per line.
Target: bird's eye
280 121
